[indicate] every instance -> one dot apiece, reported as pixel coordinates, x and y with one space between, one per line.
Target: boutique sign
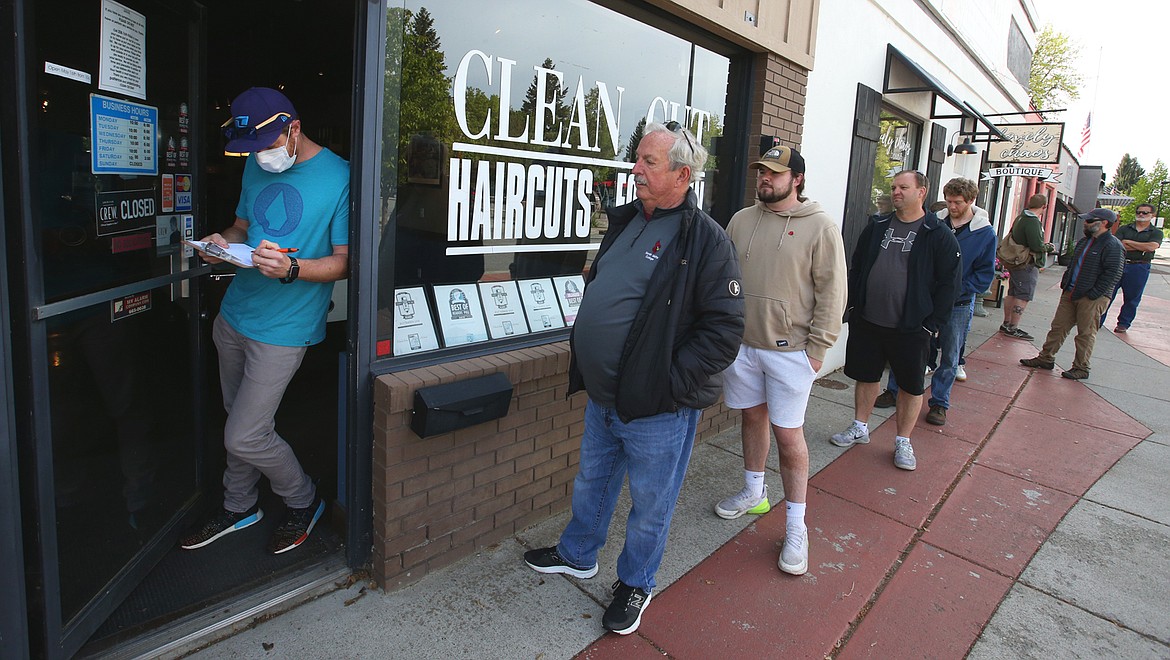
1028 143
534 180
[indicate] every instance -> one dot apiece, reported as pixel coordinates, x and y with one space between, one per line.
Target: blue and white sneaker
297 526
220 525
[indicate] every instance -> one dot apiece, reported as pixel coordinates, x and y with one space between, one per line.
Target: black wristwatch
294 270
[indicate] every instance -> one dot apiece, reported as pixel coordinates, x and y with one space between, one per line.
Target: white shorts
782 379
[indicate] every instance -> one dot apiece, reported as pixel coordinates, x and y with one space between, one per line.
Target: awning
1066 207
905 75
1113 201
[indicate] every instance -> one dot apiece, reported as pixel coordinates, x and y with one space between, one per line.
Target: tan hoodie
794 277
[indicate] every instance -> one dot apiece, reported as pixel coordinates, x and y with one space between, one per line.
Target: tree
1054 78
635 140
1128 173
554 95
425 110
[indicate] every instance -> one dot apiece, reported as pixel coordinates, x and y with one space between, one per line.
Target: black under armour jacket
933 283
689 326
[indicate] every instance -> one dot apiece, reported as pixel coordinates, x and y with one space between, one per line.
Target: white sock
795 520
900 437
754 482
860 424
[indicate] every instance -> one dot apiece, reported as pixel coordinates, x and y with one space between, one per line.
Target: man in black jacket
661 317
1085 289
903 282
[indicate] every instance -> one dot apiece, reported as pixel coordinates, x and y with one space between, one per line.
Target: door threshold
222 620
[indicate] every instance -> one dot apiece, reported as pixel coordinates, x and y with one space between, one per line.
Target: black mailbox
442 408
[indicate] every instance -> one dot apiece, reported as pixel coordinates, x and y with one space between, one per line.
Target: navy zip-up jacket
1101 269
689 326
933 283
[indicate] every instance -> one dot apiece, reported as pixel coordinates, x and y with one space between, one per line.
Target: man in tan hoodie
794 287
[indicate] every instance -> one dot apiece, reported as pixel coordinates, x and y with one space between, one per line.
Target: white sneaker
904 455
854 435
743 502
960 373
794 554
928 371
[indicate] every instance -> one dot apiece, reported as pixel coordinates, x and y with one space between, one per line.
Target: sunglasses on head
233 131
675 127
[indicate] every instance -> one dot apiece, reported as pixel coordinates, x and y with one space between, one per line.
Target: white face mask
276 159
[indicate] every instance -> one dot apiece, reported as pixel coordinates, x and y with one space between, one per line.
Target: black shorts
870 347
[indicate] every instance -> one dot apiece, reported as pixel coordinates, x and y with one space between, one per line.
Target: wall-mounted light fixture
966 148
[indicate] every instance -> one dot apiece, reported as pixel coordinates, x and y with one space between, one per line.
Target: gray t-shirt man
885 293
613 299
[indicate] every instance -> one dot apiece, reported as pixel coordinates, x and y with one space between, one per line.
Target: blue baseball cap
259 115
1099 214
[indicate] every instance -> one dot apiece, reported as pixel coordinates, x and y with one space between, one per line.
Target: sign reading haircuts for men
516 182
1029 143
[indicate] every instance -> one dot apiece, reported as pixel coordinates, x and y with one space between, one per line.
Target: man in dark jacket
904 280
661 317
1095 269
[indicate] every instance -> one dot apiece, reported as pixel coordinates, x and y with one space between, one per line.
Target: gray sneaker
794 554
743 502
854 435
904 455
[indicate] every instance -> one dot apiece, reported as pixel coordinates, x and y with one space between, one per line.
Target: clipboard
239 254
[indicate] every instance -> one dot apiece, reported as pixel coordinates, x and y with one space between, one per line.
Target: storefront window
897 150
505 138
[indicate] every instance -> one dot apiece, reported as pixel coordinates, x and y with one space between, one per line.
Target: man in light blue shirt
294 199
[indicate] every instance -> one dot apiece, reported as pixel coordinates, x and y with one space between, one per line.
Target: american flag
1086 133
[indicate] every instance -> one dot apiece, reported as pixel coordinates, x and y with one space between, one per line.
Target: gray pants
253 376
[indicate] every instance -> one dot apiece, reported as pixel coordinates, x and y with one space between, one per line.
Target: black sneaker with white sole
219 525
625 612
548 560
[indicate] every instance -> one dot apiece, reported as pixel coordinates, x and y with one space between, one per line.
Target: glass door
113 327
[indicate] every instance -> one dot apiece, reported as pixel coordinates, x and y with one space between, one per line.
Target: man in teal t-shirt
294 201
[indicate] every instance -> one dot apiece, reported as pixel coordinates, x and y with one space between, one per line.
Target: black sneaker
296 527
1019 333
548 560
625 612
219 525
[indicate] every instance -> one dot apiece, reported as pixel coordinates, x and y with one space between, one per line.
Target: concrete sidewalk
1037 525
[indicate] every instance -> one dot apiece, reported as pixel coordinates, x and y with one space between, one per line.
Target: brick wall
777 105
439 499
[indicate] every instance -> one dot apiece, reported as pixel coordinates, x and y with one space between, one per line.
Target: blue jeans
952 337
1132 285
654 452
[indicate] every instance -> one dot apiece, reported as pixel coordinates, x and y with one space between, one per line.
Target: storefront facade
916 80
485 140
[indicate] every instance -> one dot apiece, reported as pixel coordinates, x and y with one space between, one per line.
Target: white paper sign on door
122 66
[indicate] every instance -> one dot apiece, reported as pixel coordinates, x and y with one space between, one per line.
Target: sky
1127 99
